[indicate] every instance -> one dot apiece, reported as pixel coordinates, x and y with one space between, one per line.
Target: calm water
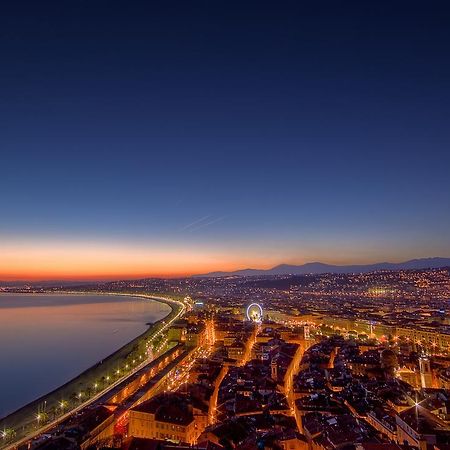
45 340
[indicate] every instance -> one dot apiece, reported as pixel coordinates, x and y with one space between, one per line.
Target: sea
48 339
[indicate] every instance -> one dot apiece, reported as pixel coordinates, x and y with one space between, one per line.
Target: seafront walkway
56 407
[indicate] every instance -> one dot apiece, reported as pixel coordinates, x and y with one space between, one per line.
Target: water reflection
46 340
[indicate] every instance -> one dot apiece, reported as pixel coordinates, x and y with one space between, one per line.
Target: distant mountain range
318 267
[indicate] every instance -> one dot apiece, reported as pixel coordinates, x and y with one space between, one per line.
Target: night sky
167 138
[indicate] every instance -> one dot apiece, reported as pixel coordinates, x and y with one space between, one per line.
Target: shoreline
24 417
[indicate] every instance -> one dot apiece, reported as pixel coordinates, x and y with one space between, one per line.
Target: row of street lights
42 416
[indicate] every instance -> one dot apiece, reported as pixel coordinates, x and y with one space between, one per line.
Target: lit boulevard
42 423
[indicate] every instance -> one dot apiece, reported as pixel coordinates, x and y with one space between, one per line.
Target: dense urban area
319 362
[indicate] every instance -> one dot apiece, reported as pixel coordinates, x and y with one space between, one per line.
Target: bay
48 339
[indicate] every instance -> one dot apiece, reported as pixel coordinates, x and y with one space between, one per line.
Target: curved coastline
23 417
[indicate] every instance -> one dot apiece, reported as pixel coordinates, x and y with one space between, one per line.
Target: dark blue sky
241 131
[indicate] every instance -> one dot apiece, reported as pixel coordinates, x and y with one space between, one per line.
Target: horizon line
155 275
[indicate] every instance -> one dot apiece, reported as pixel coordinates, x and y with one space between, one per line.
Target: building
174 417
236 351
418 427
426 376
196 335
95 426
408 376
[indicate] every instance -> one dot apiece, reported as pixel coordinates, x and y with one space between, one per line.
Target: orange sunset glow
77 261
64 259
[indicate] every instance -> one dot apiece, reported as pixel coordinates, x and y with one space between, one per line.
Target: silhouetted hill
318 267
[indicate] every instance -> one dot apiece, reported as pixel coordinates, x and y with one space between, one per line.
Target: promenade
92 385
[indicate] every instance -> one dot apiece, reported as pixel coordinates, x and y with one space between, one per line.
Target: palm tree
8 433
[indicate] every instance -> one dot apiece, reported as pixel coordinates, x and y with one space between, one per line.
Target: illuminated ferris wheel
254 312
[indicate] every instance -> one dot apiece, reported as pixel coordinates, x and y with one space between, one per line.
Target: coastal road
48 426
